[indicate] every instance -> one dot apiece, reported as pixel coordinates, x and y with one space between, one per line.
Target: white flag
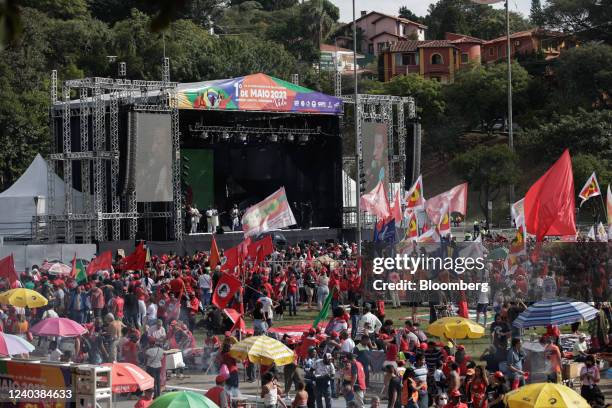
602 234
591 234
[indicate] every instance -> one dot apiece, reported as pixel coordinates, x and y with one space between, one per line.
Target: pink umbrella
58 326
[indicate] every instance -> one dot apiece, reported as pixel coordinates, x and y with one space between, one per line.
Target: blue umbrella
555 312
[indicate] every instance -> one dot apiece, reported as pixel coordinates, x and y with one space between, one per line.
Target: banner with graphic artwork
375 153
23 376
257 92
272 213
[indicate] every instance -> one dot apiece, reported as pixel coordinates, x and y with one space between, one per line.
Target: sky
419 7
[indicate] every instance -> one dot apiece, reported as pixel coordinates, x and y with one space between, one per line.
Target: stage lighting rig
290 137
273 137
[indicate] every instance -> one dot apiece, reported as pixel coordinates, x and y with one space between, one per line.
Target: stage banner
32 383
272 213
375 153
257 92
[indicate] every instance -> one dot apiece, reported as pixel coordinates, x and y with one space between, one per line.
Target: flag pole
509 62
357 155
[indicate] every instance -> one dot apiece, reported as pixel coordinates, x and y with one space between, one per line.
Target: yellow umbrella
456 328
22 297
545 395
262 350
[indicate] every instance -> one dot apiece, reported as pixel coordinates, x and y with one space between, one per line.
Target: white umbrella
12 345
59 268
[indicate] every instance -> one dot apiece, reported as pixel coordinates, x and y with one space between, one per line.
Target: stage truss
97 108
394 111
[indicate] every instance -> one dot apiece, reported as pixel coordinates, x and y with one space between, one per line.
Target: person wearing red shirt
146 400
117 307
129 350
218 394
292 291
177 286
455 400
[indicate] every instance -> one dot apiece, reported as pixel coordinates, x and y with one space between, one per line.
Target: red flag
102 262
549 204
412 232
414 196
7 269
232 259
225 290
396 209
243 247
265 245
444 226
456 198
214 259
376 202
308 258
136 260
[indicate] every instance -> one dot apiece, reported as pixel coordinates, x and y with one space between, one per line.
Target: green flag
325 310
78 270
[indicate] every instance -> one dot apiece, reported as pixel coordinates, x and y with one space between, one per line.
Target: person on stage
195 217
235 214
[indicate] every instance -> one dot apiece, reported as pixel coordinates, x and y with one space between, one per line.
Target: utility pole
509 61
357 152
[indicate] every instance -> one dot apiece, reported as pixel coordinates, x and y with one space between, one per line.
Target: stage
201 241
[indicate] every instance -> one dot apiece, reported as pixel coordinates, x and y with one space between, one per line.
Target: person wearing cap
498 390
218 394
580 348
455 400
324 373
145 400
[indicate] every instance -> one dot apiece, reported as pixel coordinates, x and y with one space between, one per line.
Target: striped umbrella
11 345
262 350
556 312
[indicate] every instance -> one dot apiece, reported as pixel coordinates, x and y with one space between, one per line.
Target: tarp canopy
27 197
257 92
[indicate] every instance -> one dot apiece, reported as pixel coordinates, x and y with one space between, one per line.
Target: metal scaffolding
393 111
105 204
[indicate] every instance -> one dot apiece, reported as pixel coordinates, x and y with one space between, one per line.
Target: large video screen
375 153
153 180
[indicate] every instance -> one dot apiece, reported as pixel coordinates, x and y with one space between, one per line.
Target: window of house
491 51
436 59
370 48
382 45
465 58
409 59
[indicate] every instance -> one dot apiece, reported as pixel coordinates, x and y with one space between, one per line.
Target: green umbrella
498 253
182 399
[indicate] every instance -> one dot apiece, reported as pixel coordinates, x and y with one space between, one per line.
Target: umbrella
497 254
182 399
22 297
262 350
11 345
544 395
59 268
555 311
58 326
129 378
456 328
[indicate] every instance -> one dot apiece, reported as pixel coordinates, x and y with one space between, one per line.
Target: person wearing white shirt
204 283
370 318
266 307
348 345
54 352
50 313
151 313
324 372
157 331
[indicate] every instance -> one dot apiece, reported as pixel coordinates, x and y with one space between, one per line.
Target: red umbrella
128 377
58 326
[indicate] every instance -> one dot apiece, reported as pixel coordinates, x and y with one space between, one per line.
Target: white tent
27 197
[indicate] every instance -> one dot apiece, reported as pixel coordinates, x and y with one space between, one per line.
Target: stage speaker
219 230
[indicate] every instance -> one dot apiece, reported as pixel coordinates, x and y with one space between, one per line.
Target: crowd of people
134 316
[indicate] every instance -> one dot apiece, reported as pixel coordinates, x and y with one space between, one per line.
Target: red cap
461 347
219 379
455 393
423 346
334 334
499 374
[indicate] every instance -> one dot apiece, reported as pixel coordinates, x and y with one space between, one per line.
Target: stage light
273 138
242 137
290 137
204 135
303 138
225 136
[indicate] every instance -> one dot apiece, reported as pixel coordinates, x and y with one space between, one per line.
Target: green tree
584 75
405 12
587 19
584 164
479 95
65 9
535 13
488 170
588 132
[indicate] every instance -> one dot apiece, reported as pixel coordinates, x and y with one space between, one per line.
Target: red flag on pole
102 262
232 259
7 269
549 204
376 202
396 209
136 260
225 290
214 259
265 245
